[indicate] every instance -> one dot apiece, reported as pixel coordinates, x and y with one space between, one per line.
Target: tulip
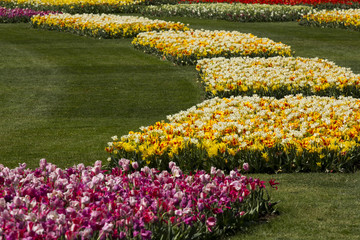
210 223
246 167
80 202
135 165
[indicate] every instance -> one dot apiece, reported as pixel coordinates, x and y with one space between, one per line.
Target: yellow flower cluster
73 2
335 18
189 46
103 25
229 125
265 76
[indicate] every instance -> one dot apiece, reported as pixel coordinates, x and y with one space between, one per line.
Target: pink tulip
81 202
210 223
246 167
135 165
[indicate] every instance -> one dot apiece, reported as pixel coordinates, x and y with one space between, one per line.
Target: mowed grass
63 96
312 206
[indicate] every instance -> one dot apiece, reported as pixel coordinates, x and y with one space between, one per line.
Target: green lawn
316 206
63 96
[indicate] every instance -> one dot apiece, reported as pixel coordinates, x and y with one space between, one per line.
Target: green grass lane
313 206
63 96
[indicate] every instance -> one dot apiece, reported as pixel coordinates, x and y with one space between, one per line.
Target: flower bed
315 3
102 25
230 12
295 133
349 19
76 6
276 76
87 203
189 46
19 15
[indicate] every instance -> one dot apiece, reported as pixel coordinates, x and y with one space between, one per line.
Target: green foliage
348 91
268 160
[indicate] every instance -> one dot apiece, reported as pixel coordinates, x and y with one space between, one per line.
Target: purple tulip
145 234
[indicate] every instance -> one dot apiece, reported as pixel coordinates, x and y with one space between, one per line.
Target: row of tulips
126 203
231 12
123 6
102 25
76 6
17 15
328 4
349 19
277 77
189 46
295 133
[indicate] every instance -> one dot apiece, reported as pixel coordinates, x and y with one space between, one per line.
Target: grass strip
312 206
63 95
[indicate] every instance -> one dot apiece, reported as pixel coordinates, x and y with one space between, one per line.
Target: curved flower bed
349 19
295 133
102 25
230 12
189 46
87 203
76 6
17 15
276 76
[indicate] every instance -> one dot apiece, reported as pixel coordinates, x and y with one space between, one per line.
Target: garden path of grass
313 206
63 96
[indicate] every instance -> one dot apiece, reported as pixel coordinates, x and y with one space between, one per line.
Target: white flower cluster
270 74
235 11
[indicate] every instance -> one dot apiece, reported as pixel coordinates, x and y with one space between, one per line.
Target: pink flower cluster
19 14
126 203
